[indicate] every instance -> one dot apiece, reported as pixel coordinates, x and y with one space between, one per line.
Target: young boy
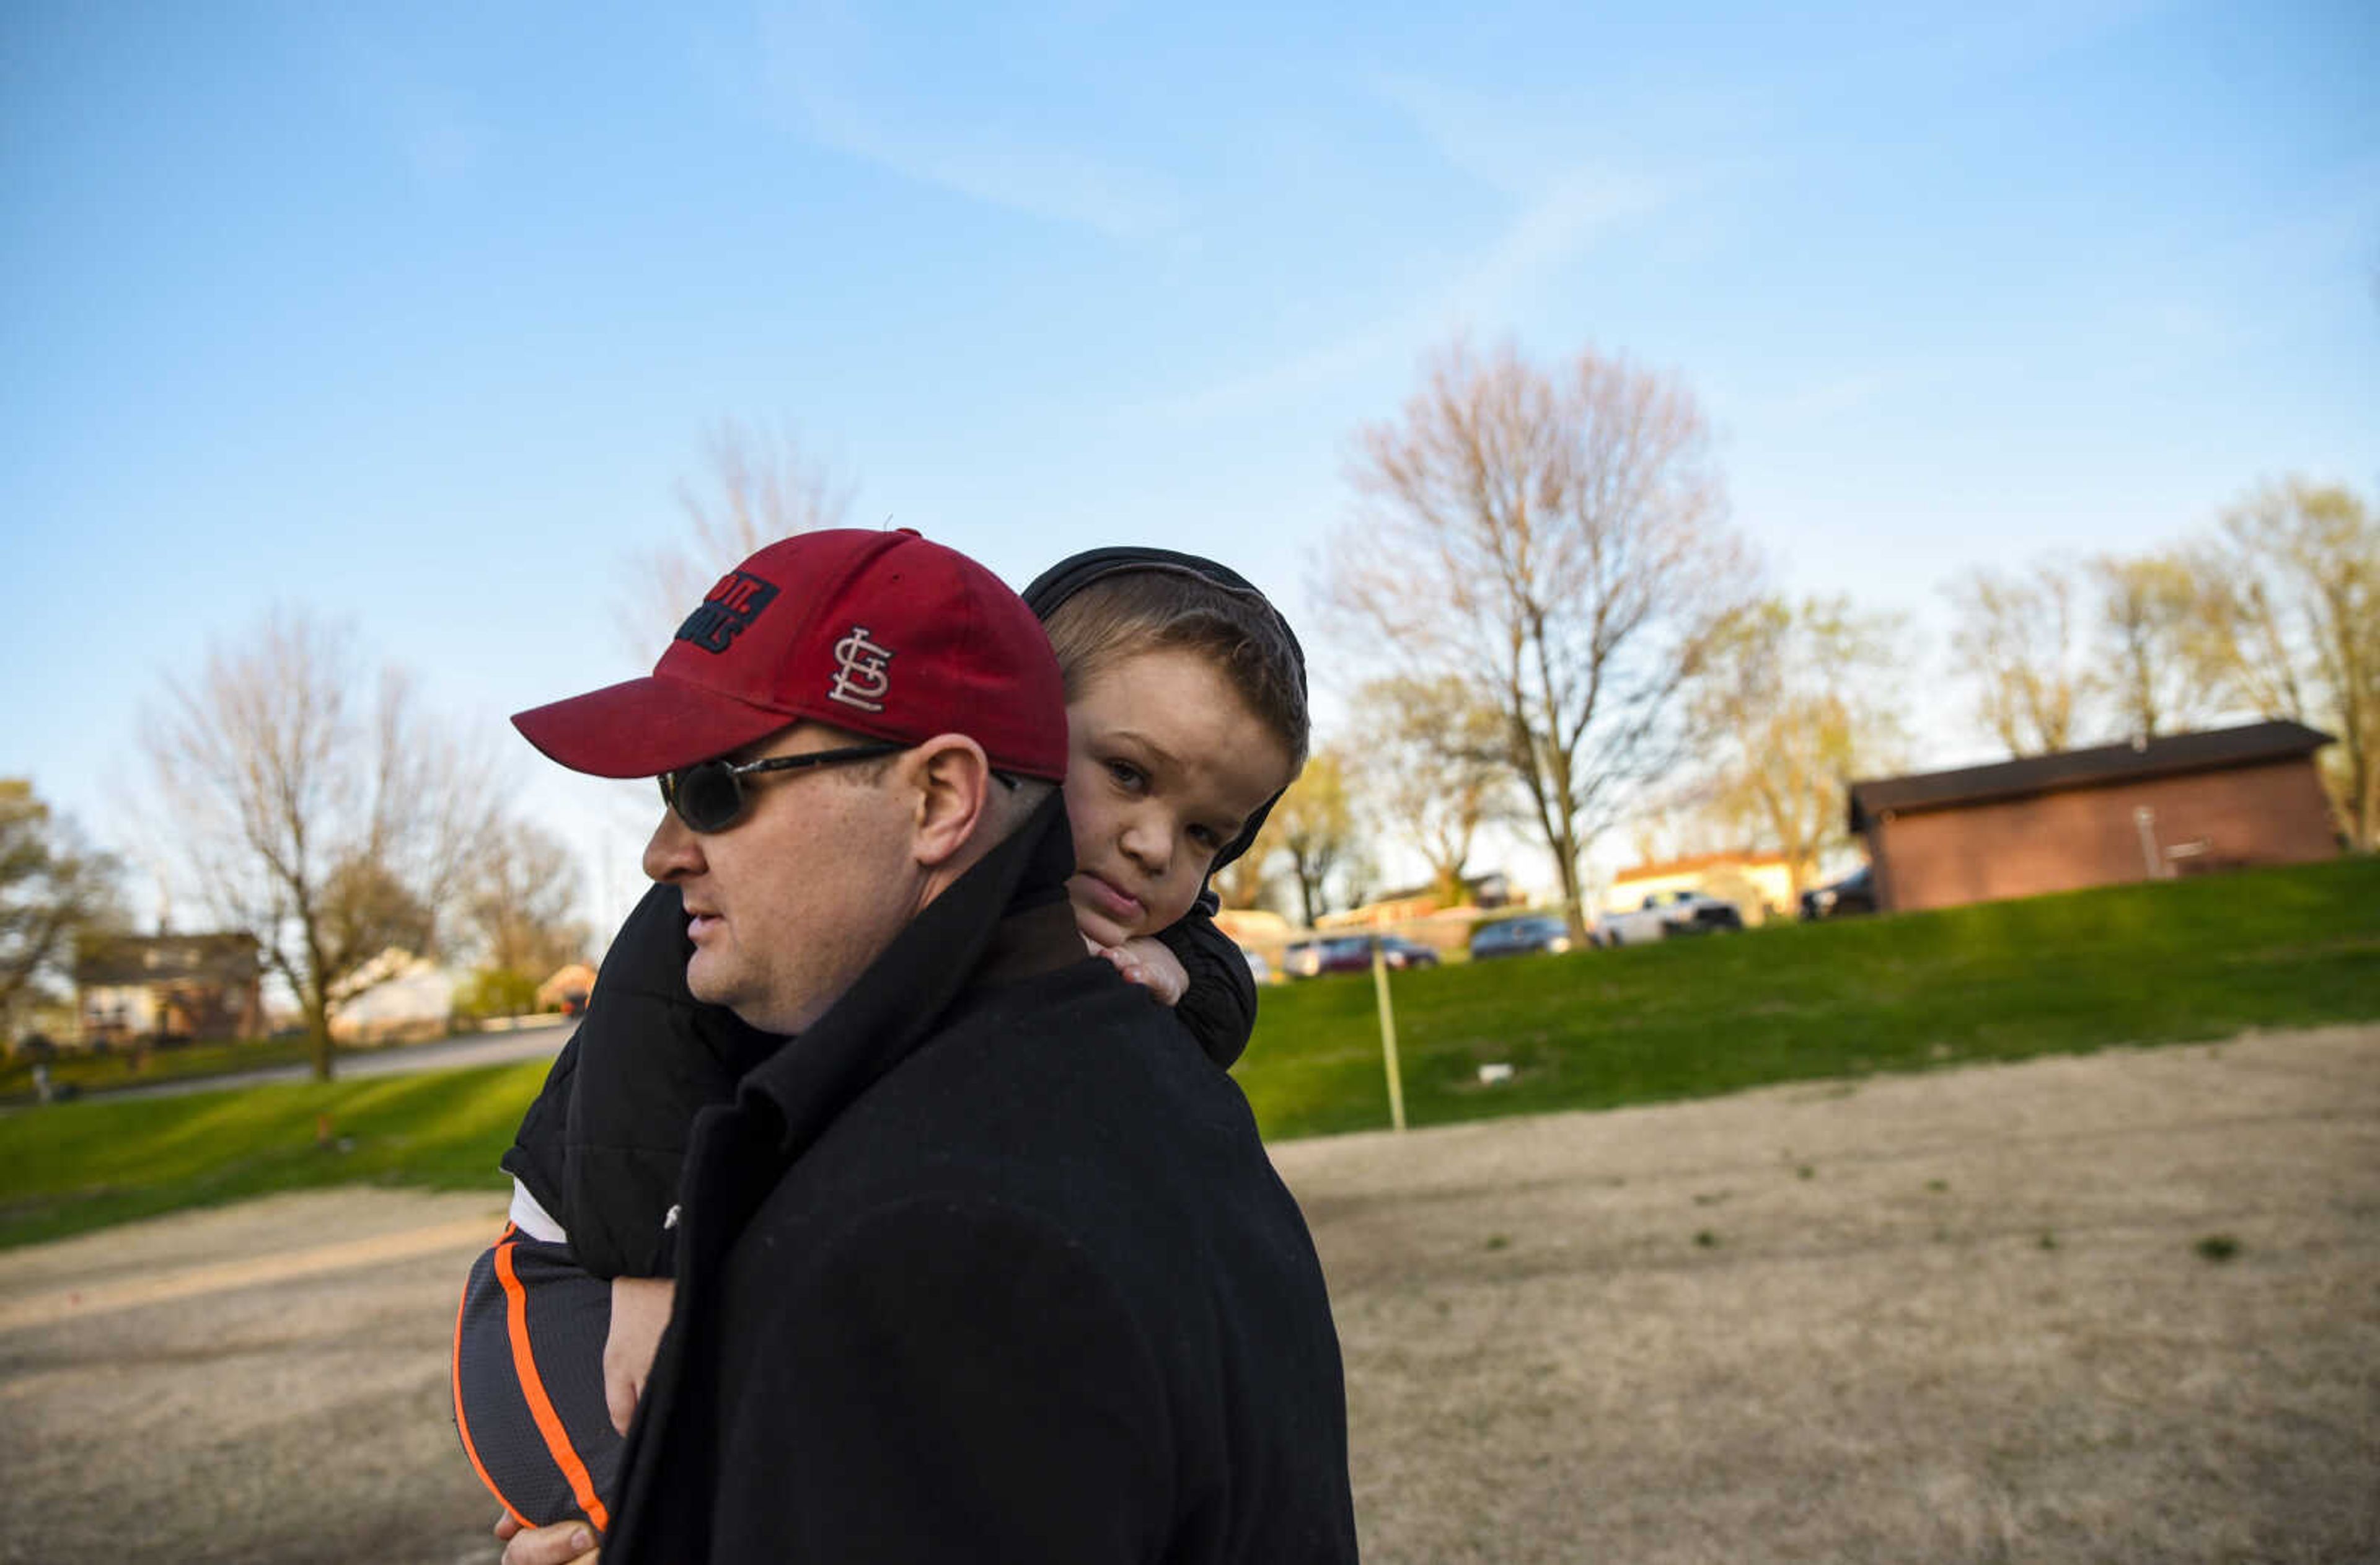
1171 663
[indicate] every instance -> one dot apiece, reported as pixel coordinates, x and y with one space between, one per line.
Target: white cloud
1821 401
1535 247
810 61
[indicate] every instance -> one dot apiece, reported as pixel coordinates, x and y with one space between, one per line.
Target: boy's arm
1220 1006
649 1057
537 1153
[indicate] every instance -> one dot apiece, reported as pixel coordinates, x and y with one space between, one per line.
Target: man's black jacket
989 1265
602 1147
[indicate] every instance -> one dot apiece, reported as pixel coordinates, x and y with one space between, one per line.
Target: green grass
78 1166
2131 964
2181 961
116 1068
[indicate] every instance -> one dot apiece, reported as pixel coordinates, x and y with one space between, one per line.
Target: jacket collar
1006 919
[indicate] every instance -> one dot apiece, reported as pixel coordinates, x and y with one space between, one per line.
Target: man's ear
952 781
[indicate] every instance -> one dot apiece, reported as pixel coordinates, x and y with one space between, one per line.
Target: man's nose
674 853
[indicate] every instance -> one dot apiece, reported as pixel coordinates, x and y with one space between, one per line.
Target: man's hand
565 1543
1144 961
640 1308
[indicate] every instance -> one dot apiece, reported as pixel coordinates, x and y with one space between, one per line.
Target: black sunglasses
708 795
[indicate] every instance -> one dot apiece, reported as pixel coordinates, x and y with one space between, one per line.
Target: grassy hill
2183 960
2126 965
90 1163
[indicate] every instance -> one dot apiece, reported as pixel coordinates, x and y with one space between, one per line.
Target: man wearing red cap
986 1261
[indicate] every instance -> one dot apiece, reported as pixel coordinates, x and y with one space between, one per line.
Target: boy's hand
1144 961
640 1308
565 1543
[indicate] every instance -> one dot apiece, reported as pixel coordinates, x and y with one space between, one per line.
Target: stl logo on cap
860 676
727 611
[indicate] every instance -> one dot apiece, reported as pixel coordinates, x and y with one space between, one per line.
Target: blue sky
419 319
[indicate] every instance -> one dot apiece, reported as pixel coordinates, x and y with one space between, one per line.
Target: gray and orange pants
529 1381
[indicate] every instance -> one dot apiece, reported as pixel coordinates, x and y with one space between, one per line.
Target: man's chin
706 983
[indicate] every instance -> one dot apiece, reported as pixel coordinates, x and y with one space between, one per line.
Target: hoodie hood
1076 572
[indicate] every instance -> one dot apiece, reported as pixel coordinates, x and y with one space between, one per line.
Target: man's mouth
699 922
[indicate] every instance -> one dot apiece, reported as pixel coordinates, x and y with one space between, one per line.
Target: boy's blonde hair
1161 608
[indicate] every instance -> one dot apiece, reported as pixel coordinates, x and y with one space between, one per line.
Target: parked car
1855 893
1353 953
1403 954
1334 953
1518 937
1258 968
1665 914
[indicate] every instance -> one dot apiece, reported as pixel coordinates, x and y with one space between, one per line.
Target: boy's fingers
1163 980
640 1312
1145 962
563 1543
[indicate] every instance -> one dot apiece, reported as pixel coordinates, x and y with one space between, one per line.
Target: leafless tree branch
1558 542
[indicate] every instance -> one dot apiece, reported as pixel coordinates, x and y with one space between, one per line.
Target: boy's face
1167 763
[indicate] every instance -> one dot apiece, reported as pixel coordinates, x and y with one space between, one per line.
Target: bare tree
2297 607
1315 824
52 888
1247 880
521 906
1792 710
1434 767
332 827
2017 638
1558 542
757 488
2155 659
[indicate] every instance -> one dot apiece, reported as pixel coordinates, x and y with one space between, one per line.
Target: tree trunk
315 996
318 1038
1309 889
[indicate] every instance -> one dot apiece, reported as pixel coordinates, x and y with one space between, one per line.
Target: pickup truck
1665 914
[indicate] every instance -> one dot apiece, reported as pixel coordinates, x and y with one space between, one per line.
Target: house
568 990
1258 931
1759 884
2153 809
395 997
134 986
1391 909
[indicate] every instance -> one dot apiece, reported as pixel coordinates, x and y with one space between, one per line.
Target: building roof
122 961
1494 880
1743 858
2214 749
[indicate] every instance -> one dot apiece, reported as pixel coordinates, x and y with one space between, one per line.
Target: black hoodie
600 1148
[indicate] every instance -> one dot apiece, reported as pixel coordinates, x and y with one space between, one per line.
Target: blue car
1518 937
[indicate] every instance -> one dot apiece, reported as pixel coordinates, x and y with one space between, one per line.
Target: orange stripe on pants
541 1407
463 1424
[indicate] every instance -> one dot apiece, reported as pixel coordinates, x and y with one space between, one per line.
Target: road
541 1041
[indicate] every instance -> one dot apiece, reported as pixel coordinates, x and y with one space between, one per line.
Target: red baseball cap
879 632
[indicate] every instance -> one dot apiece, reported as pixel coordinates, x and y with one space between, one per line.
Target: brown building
2151 809
135 986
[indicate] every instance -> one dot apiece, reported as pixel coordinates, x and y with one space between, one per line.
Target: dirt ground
2123 1307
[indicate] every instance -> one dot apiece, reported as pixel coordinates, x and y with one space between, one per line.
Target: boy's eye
1125 774
1207 837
